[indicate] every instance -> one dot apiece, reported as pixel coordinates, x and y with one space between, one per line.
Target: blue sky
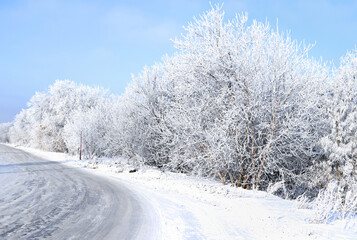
100 43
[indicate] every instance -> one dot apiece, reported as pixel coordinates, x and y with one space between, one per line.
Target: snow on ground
196 208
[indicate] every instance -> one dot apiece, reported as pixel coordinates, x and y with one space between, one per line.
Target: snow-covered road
46 199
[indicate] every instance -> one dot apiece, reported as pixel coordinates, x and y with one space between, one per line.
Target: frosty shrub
237 101
4 132
338 198
42 124
336 201
340 145
92 127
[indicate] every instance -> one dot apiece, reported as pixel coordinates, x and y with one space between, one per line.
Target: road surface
42 199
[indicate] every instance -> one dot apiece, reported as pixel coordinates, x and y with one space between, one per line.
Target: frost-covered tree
237 101
90 126
42 124
19 132
150 102
4 132
338 198
341 144
95 126
248 98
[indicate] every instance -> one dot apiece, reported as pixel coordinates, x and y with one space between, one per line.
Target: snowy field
193 208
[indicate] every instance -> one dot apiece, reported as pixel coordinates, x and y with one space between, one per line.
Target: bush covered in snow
4 132
338 199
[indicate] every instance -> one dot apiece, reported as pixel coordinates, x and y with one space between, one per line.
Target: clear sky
100 43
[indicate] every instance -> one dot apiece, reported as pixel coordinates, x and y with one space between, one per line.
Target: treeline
240 102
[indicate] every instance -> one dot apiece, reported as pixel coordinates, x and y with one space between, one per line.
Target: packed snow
197 208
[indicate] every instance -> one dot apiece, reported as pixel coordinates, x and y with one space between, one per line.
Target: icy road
44 199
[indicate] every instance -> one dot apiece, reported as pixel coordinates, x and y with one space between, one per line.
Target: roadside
196 208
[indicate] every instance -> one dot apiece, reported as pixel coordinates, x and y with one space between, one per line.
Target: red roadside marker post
80 147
